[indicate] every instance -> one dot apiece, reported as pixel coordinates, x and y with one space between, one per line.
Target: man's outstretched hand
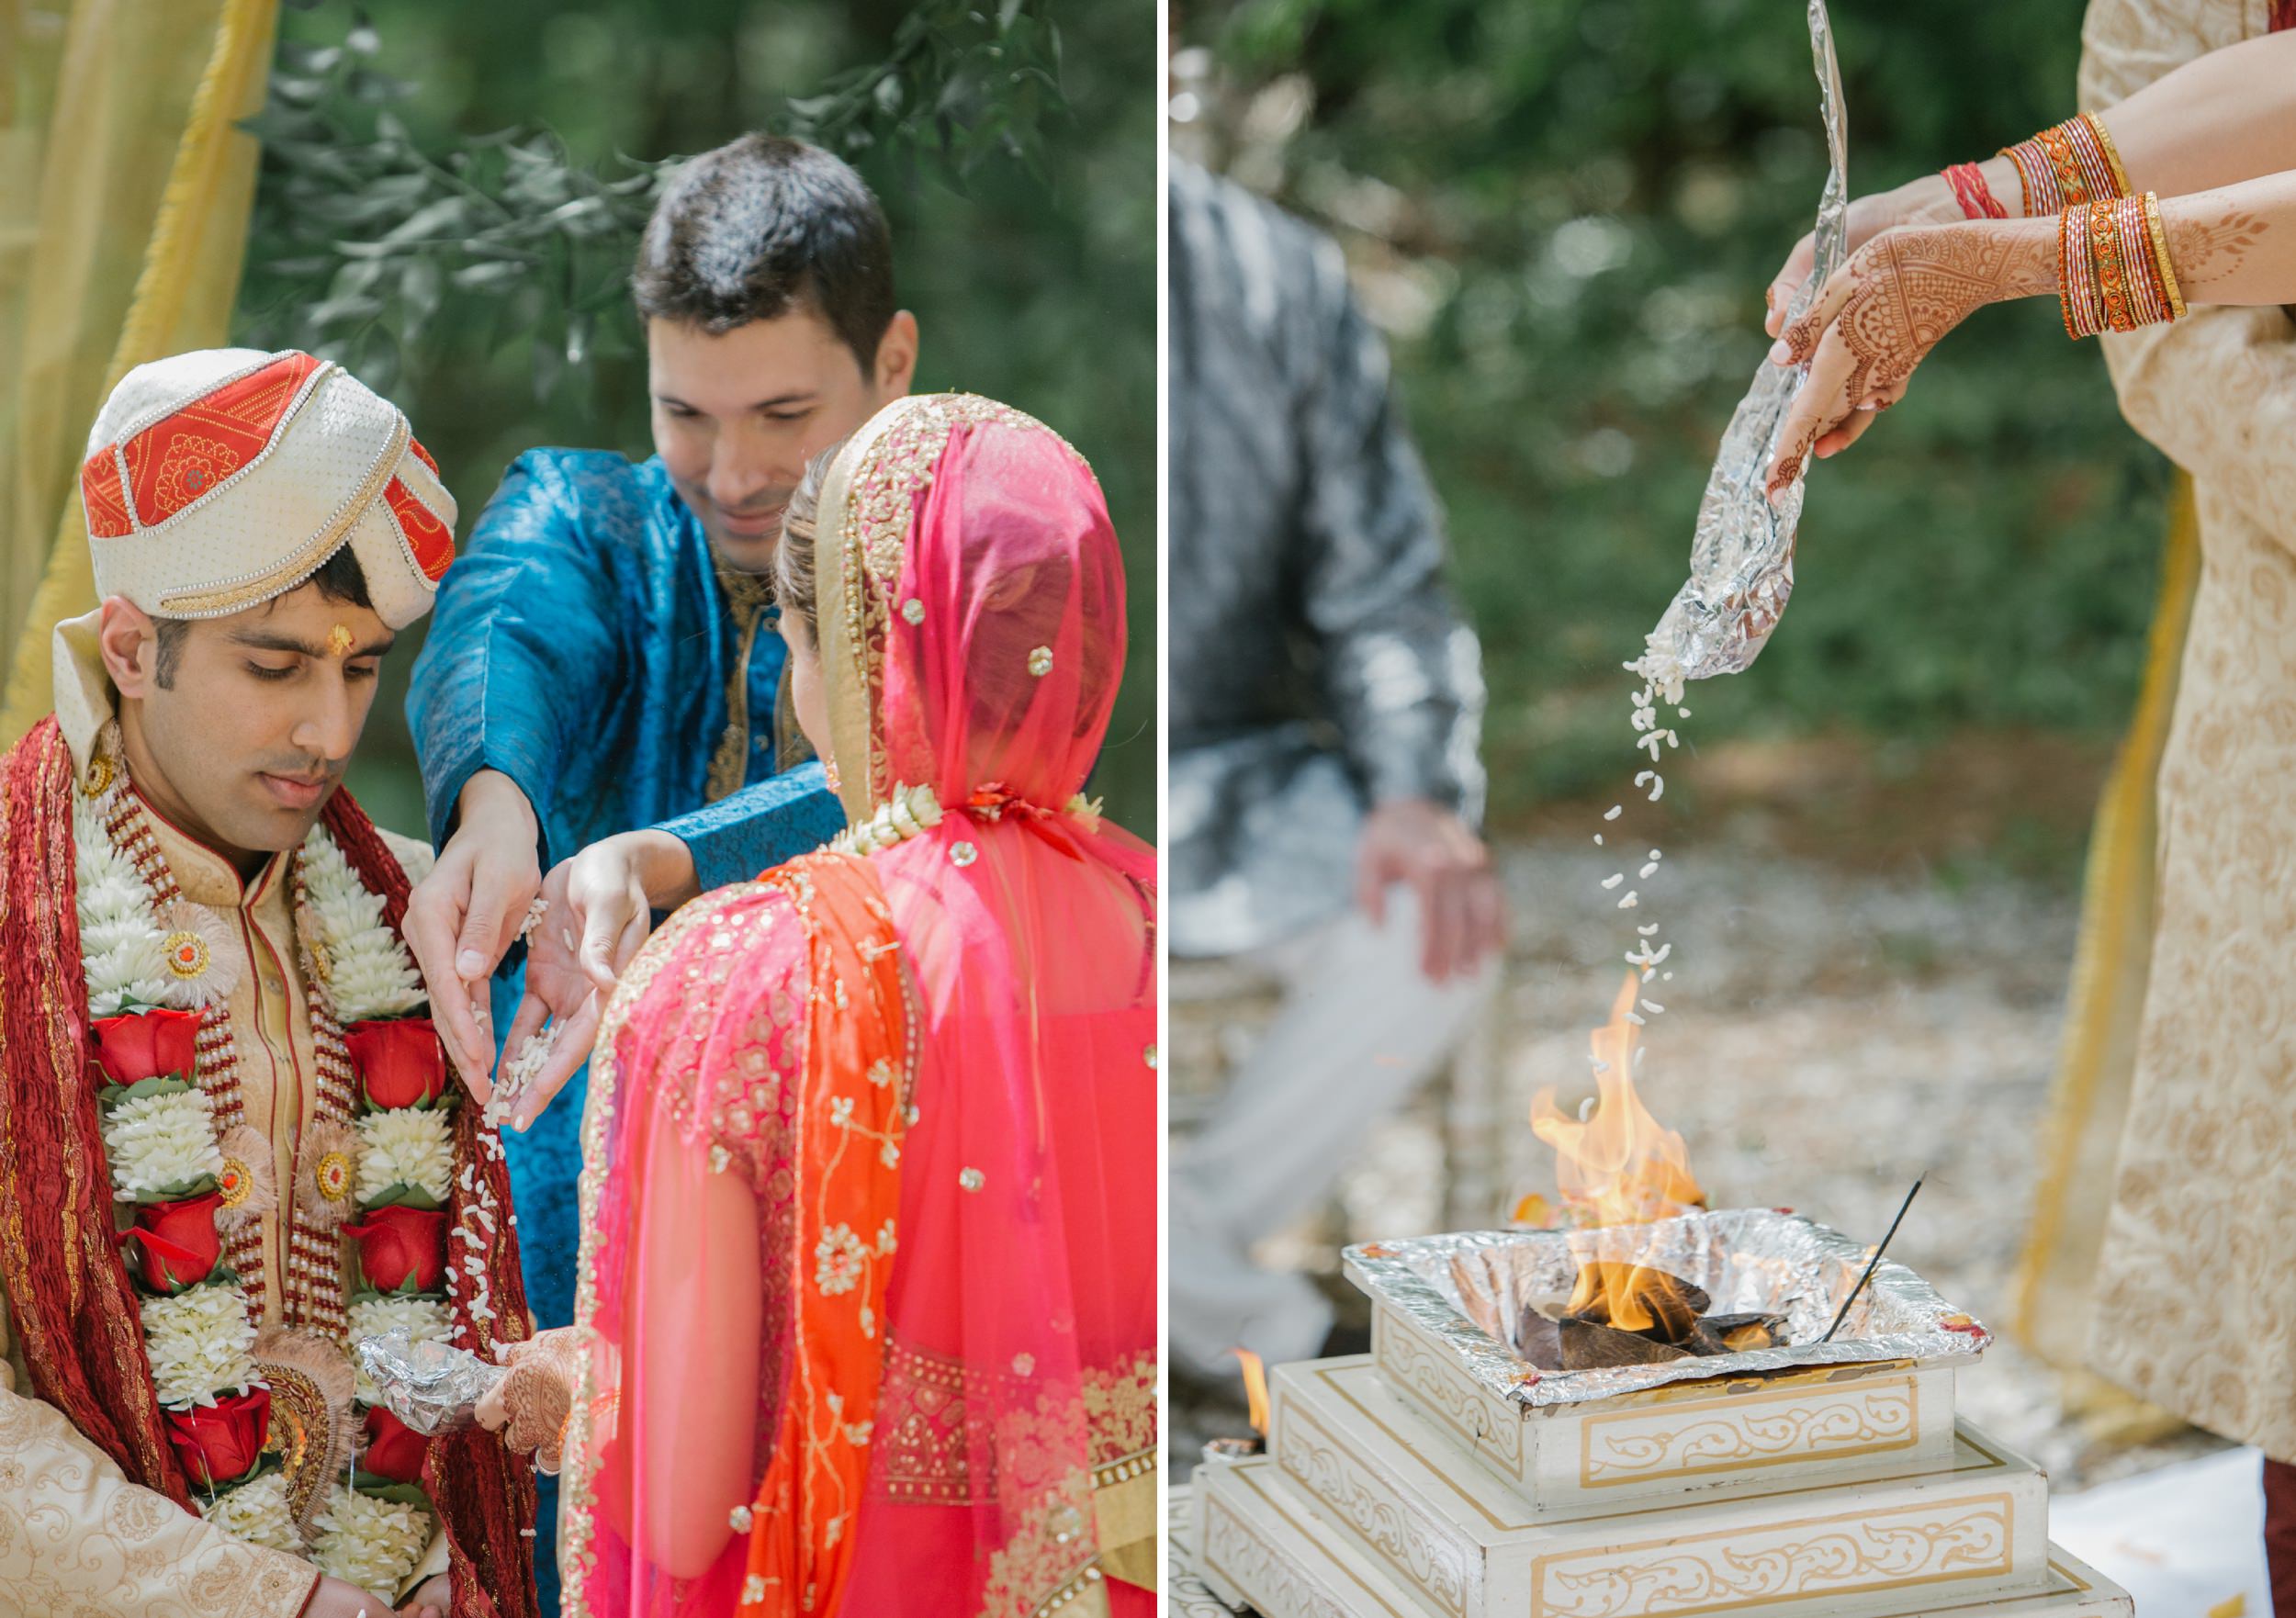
1463 915
465 916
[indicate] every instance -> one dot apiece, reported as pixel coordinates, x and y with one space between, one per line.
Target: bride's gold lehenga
868 1281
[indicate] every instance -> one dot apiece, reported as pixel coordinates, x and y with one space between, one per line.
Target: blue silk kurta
582 646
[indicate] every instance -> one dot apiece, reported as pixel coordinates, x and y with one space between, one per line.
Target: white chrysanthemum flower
118 979
256 1513
198 1343
156 1142
120 935
371 1543
423 1319
406 1146
369 973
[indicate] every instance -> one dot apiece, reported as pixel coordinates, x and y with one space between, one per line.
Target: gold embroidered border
869 500
576 1556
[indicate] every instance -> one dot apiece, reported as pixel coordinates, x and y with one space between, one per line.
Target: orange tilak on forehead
340 641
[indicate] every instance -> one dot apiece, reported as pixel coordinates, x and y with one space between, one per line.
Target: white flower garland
257 1512
121 944
198 1343
199 1340
406 1146
156 1142
911 812
364 972
371 1543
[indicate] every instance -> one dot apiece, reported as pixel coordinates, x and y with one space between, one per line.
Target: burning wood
1617 1168
1634 1314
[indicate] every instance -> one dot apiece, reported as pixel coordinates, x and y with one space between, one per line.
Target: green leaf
397 1194
386 1489
112 1096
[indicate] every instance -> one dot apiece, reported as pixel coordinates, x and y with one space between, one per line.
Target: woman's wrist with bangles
2113 269
2064 165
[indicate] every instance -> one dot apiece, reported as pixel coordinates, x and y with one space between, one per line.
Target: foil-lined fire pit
1447 1474
1473 1291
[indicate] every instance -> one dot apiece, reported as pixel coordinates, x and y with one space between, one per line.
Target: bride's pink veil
1028 1191
971 624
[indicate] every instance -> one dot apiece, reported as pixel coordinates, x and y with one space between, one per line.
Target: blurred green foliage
450 200
1565 214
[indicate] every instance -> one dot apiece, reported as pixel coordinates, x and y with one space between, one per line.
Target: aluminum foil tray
1464 1288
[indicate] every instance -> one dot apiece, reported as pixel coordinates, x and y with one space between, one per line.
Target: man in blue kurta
606 657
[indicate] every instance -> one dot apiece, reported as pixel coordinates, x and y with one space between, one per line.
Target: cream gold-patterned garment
77 1540
2196 1299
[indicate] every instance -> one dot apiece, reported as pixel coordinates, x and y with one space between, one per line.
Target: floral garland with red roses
200 1180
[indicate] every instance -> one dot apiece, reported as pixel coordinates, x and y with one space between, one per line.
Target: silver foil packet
1741 556
431 1386
1466 1290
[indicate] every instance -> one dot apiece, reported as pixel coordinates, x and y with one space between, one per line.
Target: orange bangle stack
2113 273
2067 165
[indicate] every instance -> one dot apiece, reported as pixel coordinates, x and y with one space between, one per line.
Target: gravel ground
1829 1037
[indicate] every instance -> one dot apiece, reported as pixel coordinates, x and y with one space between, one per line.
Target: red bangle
1975 196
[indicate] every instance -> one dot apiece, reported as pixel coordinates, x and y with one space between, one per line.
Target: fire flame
1255 1389
1615 1166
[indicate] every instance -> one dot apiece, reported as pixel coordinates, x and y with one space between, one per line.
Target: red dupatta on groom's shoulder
76 1313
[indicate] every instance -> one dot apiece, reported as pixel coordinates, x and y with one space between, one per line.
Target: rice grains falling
1654 738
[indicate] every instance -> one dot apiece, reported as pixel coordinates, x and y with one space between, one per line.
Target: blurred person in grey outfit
1326 702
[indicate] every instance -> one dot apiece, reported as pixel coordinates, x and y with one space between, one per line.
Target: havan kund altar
1447 1474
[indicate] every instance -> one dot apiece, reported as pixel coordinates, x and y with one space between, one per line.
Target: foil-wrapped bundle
1741 556
432 1386
1472 1289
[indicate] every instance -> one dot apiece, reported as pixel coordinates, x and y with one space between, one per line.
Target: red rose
221 1444
147 1045
392 1449
397 1242
401 1064
178 1242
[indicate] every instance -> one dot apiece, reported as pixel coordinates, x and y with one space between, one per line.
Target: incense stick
1871 1264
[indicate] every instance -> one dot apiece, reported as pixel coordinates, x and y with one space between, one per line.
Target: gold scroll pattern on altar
1244 1561
1944 1543
1407 1357
1429 1560
1639 1446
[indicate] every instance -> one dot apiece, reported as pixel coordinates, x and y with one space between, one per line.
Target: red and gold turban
218 479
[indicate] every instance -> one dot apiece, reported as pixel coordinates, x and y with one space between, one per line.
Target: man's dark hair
339 579
750 231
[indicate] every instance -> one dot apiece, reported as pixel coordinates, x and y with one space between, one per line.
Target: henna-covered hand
1928 200
1881 313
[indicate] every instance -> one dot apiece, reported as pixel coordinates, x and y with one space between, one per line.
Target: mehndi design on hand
1883 312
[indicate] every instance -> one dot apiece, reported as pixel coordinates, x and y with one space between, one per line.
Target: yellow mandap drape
2089 1102
124 194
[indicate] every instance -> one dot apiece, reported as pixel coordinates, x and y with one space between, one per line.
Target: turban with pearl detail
218 479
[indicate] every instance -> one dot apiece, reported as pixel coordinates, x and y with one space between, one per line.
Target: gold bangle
2160 253
2112 154
2104 253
